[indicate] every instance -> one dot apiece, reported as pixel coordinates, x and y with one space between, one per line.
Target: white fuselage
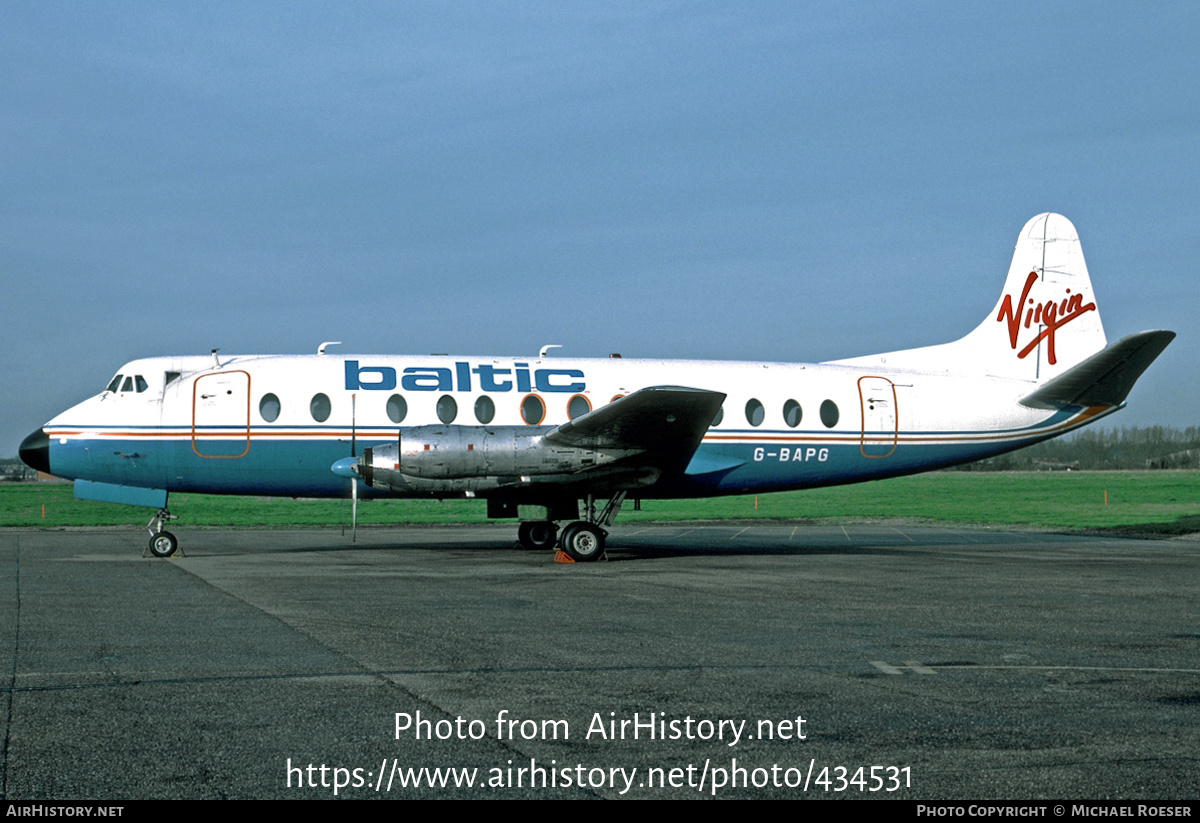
274 424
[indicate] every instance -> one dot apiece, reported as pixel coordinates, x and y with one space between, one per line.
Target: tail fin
1045 321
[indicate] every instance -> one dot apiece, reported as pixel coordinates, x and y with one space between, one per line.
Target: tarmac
876 660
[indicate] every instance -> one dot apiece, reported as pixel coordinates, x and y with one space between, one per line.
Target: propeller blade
348 467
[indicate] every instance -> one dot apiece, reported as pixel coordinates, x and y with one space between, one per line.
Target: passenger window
447 409
829 414
268 408
718 417
578 406
533 410
320 408
397 408
485 409
755 412
792 413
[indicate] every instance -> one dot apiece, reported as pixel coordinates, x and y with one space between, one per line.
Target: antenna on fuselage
321 348
545 349
216 362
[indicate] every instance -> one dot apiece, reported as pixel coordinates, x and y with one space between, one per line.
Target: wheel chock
561 556
176 554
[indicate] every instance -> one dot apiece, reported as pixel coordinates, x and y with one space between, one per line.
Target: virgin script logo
1049 316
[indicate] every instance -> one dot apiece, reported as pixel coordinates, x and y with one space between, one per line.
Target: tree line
1152 447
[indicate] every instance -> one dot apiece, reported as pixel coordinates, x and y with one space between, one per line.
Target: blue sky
777 181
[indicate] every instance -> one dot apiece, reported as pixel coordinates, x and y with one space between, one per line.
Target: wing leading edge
665 424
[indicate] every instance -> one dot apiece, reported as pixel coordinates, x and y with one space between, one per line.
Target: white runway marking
914 666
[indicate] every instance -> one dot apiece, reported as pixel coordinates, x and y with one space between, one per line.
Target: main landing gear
162 543
583 539
538 534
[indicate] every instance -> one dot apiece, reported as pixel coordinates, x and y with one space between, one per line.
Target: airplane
549 441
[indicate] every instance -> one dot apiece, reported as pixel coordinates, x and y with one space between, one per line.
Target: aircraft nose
35 451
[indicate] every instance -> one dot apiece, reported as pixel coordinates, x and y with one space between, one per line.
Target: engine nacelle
460 452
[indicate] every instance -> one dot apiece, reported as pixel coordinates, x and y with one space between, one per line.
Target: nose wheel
162 543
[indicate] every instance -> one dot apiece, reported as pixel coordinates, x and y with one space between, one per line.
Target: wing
664 424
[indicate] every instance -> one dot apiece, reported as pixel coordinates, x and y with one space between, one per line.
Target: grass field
1163 503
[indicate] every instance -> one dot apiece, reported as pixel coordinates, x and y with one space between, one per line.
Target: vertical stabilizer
1046 320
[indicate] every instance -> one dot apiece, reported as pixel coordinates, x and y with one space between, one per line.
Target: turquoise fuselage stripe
276 466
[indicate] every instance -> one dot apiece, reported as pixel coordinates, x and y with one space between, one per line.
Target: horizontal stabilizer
665 423
1105 378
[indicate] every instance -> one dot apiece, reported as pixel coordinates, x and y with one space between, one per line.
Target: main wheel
537 534
583 541
163 544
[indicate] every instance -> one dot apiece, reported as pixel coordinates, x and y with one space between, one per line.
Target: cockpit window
124 383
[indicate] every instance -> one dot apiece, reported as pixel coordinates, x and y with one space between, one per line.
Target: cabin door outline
221 415
880 419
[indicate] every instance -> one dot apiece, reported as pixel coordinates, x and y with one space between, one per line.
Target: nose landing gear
162 543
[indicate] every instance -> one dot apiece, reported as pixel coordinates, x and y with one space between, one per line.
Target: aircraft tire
537 534
583 541
163 544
